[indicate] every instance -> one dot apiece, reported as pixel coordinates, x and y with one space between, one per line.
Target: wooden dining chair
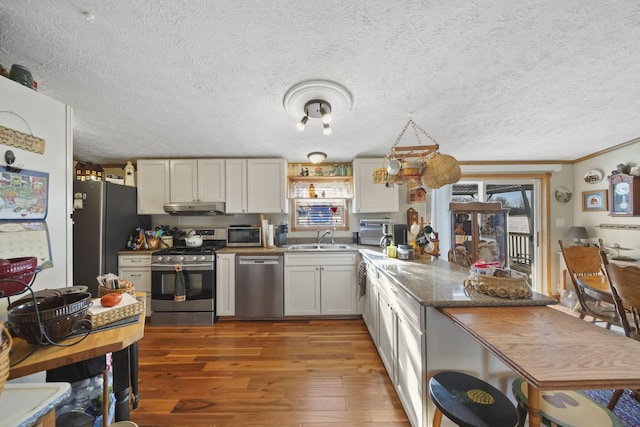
625 289
584 265
459 257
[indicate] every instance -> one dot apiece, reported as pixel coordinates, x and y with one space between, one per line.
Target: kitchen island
423 321
436 282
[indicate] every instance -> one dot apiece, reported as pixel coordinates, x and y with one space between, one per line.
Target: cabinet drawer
134 261
320 259
140 278
409 306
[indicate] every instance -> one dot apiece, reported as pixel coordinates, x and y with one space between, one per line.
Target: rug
627 408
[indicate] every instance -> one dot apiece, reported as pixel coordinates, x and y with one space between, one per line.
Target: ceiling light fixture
302 123
317 99
316 157
316 109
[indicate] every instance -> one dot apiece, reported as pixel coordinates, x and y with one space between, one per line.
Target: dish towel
362 278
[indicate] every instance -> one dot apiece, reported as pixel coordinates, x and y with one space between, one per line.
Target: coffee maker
281 234
393 234
399 234
387 235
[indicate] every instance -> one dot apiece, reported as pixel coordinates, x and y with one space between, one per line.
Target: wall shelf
619 226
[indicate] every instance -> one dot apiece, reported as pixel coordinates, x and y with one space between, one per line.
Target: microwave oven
244 236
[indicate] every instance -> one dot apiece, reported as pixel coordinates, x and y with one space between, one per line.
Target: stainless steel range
195 304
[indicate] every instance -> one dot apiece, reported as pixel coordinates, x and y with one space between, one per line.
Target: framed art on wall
594 200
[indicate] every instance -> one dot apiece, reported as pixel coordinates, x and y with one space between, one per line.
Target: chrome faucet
324 233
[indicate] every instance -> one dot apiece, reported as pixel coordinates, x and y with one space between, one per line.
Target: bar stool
470 402
564 408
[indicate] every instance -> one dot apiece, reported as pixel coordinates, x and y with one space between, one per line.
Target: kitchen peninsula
496 339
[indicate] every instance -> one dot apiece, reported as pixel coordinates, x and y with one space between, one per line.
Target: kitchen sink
319 247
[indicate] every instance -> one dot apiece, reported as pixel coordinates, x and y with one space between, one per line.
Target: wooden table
552 350
121 341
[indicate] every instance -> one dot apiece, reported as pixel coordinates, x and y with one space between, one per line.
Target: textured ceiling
489 80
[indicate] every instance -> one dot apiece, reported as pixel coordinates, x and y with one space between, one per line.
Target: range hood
194 208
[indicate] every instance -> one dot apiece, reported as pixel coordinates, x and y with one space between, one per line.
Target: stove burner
182 250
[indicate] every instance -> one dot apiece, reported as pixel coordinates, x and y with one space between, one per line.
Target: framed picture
594 200
416 193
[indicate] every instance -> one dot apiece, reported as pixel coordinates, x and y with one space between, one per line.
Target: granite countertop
436 282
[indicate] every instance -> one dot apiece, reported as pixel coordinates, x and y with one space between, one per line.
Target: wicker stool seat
470 402
564 408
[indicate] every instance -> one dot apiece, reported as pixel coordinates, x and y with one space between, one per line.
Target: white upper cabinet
197 180
370 197
266 185
236 187
153 186
256 186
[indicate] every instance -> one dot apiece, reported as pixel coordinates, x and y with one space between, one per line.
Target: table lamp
579 235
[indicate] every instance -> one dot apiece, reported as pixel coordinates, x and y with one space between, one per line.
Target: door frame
542 217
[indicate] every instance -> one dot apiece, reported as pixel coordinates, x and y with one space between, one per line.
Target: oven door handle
185 267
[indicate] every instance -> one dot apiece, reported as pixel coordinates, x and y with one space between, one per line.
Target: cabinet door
225 285
386 334
370 197
211 180
372 308
236 186
338 289
184 180
410 386
266 185
153 186
301 290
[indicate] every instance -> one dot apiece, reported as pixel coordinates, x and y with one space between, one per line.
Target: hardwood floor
308 373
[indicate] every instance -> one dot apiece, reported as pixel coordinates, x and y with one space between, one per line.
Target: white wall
606 163
51 120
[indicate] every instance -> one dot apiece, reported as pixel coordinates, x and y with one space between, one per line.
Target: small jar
392 251
405 252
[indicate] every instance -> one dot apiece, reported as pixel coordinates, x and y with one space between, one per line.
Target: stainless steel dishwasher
259 287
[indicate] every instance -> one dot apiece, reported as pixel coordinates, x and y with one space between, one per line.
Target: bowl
59 316
21 270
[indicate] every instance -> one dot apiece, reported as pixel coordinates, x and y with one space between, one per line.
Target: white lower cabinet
370 305
396 323
225 284
137 270
320 284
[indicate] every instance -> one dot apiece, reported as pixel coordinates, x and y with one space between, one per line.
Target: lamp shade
577 233
316 157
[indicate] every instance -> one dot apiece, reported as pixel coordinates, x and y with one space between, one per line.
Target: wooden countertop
539 344
552 350
436 282
95 344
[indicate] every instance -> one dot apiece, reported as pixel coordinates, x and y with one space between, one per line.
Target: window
311 214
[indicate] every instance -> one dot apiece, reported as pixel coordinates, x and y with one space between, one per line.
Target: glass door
521 197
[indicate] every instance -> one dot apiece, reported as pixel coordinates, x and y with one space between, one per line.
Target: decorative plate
563 194
593 176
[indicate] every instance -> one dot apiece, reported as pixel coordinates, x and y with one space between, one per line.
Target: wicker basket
5 349
441 169
380 176
503 287
103 290
115 314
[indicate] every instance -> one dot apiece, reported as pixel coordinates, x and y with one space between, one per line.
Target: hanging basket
380 176
410 172
441 169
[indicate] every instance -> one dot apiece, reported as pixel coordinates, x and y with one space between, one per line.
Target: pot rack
422 152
